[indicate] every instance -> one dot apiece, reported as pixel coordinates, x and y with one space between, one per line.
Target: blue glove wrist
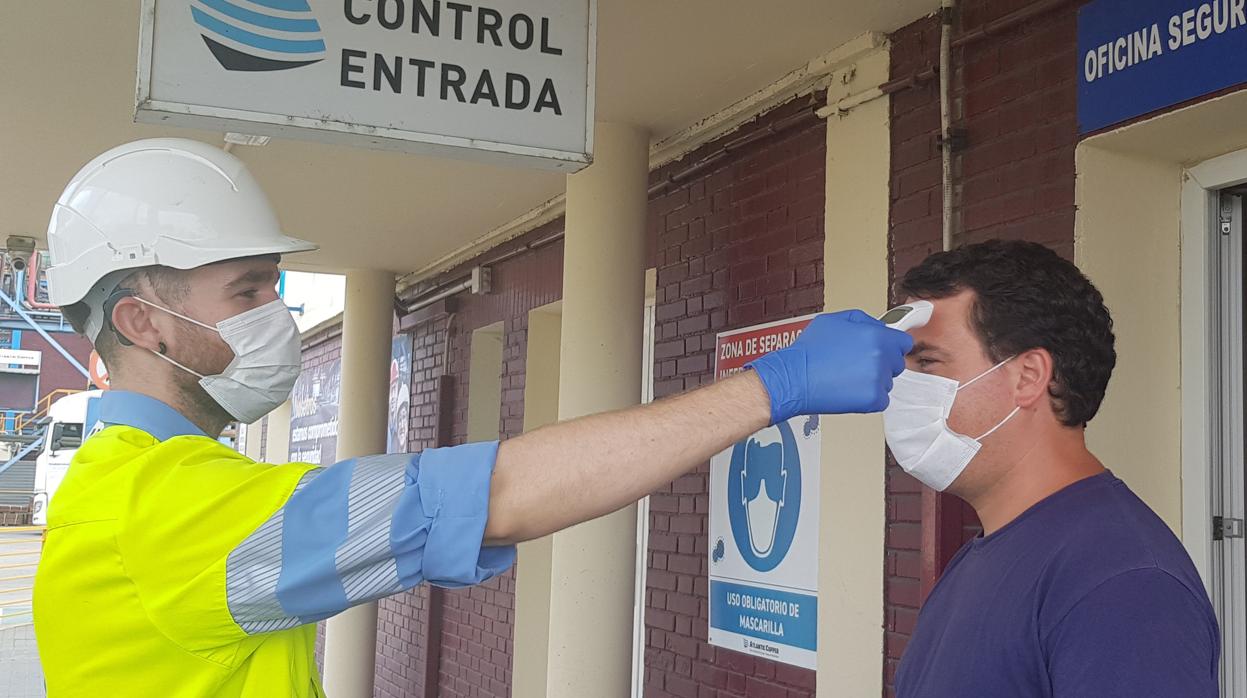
773 373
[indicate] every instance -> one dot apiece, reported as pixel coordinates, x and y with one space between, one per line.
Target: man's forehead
249 268
950 311
950 327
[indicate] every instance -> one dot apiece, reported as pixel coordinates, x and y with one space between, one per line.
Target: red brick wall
57 373
319 349
1018 97
477 645
476 642
402 624
914 234
1015 95
739 245
14 515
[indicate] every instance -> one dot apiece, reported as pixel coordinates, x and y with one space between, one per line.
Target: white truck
71 419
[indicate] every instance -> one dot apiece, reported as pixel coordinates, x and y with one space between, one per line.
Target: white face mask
915 425
267 360
762 510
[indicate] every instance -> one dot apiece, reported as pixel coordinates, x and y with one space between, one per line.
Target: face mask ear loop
984 374
196 374
1005 421
174 313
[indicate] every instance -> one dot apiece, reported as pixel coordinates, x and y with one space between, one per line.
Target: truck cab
71 419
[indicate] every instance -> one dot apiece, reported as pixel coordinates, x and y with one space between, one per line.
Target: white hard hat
163 201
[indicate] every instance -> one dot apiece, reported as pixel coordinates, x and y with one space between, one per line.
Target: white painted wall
1127 242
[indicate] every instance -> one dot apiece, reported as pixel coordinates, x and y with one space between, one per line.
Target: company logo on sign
259 35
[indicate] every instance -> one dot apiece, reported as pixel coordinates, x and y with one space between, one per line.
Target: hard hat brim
68 287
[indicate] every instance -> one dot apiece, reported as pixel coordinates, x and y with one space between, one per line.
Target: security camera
20 250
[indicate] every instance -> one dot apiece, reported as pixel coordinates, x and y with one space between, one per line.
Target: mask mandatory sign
764 523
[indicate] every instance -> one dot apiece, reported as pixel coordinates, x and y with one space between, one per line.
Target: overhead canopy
68 94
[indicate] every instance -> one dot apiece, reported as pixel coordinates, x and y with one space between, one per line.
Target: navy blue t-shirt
1087 593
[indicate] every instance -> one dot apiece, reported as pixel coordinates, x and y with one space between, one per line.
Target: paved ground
20 676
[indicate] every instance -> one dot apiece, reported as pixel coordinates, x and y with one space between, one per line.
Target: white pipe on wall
946 144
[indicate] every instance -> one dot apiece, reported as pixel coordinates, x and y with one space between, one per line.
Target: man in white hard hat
176 566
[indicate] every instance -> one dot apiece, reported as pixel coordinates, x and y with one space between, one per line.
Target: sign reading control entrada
509 81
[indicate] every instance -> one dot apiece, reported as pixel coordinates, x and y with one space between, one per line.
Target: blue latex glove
842 363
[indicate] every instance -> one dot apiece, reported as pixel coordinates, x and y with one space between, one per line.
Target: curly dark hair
1028 297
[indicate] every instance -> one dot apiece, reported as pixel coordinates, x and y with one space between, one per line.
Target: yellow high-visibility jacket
175 566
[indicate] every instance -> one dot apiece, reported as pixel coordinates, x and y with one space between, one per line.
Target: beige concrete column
852 514
593 565
1138 430
252 434
529 676
277 443
367 325
485 384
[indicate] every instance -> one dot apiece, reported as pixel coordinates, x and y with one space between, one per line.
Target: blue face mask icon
763 500
764 488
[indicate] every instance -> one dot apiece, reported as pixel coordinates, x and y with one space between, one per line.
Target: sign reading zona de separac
501 81
764 513
1139 56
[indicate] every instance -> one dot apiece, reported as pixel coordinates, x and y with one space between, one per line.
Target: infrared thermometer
908 317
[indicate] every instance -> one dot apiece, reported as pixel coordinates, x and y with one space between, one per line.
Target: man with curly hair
1075 587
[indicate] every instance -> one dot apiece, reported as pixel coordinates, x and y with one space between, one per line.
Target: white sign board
764 523
506 82
20 361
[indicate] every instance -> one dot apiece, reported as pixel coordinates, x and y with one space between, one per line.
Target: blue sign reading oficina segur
1139 56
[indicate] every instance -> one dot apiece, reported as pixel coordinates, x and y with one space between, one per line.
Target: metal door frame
1212 307
1227 566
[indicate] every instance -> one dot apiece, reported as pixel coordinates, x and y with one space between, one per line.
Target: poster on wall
400 395
314 415
764 514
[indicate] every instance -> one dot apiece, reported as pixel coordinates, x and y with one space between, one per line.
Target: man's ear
133 322
1034 369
